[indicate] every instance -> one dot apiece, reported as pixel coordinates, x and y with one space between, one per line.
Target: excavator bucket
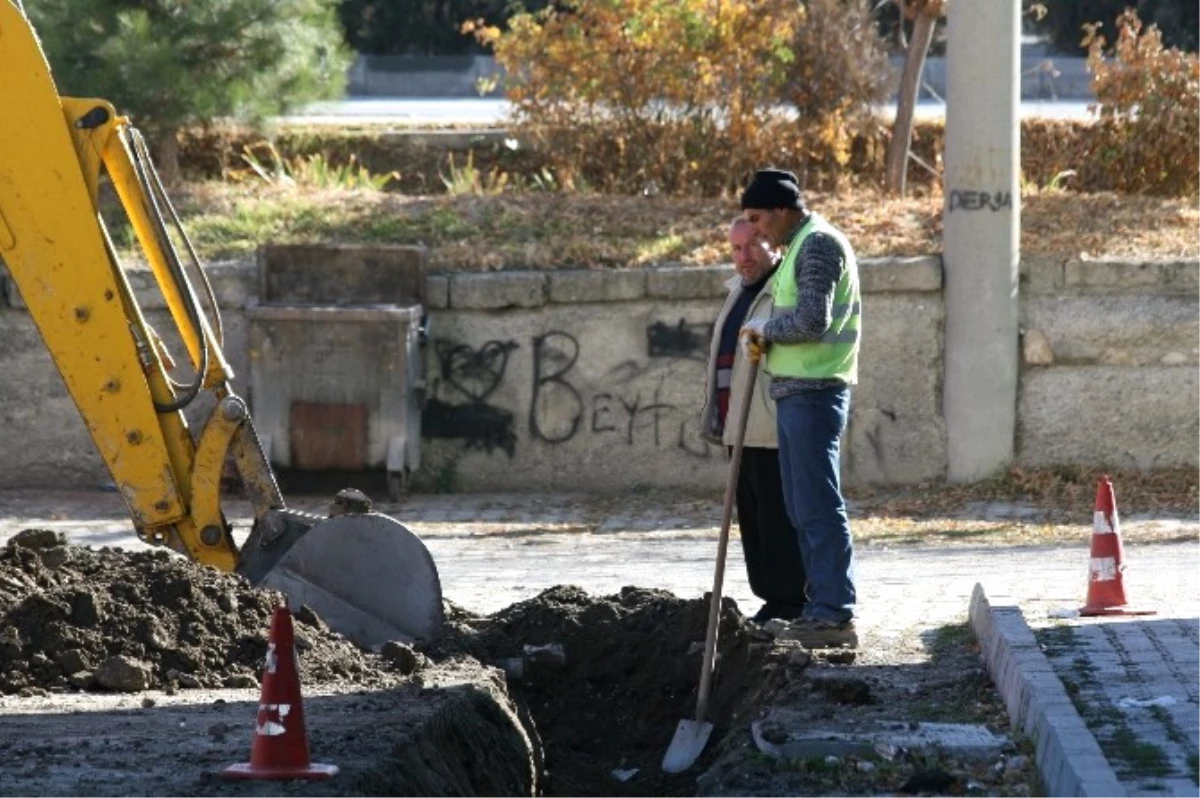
365 574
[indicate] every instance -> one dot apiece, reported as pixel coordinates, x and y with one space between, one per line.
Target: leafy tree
170 63
423 27
1177 20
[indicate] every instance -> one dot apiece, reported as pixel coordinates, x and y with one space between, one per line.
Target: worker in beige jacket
769 541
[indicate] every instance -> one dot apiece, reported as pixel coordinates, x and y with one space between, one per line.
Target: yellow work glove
753 340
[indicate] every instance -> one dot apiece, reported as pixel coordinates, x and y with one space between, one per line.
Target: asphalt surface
490 112
1134 680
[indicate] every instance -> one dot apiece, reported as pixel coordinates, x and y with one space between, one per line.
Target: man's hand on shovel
753 339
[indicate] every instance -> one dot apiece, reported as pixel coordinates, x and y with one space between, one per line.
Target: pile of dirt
71 617
607 679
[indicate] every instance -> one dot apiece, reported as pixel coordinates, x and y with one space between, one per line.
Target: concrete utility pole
982 235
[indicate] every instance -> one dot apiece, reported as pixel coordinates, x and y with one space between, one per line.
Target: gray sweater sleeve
819 266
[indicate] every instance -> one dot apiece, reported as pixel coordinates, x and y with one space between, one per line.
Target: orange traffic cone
280 747
1106 586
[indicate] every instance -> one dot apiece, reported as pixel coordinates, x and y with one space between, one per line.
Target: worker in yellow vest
811 347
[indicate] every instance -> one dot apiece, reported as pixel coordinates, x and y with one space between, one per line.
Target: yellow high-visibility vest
835 355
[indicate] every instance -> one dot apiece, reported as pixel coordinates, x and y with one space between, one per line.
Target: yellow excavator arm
363 571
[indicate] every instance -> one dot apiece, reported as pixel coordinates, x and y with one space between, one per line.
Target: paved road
494 549
488 112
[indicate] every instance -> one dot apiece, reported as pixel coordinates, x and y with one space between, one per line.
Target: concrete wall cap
1168 275
498 290
687 282
583 285
1041 274
913 274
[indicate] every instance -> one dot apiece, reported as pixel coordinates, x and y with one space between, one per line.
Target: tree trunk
165 147
910 84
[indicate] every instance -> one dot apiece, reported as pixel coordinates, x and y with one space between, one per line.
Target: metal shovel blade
690 738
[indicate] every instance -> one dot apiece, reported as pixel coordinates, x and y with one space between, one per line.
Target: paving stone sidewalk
1136 684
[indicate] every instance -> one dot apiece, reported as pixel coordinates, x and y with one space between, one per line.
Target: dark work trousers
769 541
811 424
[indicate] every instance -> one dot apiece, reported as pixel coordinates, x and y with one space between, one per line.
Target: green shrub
264 162
415 164
1145 140
689 96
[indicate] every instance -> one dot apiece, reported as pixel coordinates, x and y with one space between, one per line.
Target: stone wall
592 380
551 381
1109 371
45 442
577 379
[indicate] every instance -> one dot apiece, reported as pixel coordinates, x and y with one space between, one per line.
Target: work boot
772 610
765 613
814 633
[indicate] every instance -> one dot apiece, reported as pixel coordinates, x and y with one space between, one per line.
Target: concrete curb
1068 757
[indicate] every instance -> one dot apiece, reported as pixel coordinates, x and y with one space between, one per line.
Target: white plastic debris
550 652
1160 701
1064 613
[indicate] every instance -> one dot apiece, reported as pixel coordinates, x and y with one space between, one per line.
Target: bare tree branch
910 80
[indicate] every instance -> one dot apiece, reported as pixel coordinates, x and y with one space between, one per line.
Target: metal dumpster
336 363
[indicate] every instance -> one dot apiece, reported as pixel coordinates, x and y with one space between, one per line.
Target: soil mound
607 679
130 621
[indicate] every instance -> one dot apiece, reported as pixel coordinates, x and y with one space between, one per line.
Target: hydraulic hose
210 295
152 192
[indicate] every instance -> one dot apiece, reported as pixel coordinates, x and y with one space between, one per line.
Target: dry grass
1027 507
548 230
1109 226
884 530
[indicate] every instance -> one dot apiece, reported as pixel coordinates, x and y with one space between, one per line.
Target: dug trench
606 679
127 673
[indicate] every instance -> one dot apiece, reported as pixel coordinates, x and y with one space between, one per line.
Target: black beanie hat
772 188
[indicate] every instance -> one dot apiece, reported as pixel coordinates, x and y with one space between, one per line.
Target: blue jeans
810 428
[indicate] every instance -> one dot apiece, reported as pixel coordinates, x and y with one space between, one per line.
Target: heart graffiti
475 373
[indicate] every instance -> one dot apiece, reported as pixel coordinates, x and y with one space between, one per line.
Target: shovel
692 735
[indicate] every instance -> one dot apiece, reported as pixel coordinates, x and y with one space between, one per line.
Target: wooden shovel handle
714 610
